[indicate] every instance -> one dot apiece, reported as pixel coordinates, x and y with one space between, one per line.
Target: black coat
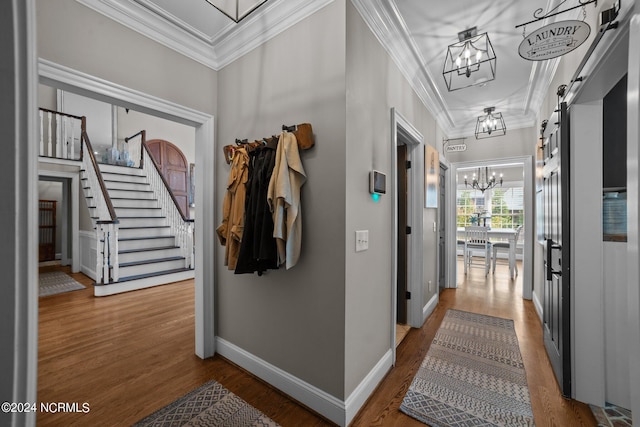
258 250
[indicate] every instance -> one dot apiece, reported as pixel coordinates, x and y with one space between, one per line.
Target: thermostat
377 182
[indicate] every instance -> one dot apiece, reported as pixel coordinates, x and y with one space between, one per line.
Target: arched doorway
174 167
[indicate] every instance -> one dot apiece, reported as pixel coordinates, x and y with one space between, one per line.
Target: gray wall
293 319
374 86
516 143
76 36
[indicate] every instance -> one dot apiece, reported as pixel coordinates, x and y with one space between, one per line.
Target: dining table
502 234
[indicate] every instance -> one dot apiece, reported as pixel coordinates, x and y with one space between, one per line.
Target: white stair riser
132 285
128 211
148 255
135 270
144 232
120 169
141 203
119 185
124 245
141 179
147 195
142 222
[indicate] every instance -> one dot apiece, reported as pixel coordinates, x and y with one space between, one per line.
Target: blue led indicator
375 197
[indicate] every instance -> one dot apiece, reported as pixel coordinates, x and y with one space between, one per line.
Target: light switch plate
362 240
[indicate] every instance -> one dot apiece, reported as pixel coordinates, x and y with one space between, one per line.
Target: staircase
147 250
142 238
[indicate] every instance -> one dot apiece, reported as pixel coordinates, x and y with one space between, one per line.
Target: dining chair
476 240
506 247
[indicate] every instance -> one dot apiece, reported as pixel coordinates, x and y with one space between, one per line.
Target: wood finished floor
128 355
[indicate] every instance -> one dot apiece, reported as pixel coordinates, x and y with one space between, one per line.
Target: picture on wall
431 173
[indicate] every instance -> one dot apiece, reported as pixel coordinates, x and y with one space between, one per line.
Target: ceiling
415 33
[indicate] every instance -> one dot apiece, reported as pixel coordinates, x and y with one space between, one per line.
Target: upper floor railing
60 135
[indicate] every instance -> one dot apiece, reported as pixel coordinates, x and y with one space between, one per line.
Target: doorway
442 229
174 167
403 230
78 82
525 164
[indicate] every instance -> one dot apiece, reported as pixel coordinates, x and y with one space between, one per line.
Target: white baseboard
359 396
428 309
538 305
334 409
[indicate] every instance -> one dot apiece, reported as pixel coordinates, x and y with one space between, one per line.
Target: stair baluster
181 227
105 220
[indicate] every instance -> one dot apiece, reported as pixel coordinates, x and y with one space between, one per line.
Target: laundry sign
554 40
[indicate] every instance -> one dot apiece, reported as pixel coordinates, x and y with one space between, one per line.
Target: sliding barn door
557 297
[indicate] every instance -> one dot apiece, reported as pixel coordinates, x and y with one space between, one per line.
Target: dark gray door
402 235
442 253
557 298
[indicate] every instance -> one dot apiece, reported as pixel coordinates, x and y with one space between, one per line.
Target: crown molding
233 41
275 17
386 23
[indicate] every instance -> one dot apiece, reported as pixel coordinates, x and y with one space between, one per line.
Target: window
504 205
507 207
468 204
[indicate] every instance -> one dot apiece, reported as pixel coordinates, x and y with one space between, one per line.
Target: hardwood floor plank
129 355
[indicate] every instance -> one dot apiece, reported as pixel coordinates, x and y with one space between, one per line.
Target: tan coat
283 197
231 229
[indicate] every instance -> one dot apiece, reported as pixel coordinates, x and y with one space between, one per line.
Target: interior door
401 299
174 167
556 295
442 253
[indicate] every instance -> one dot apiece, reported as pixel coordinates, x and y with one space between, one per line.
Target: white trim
88 250
320 401
633 205
415 148
392 33
527 164
75 217
20 188
75 81
216 51
367 386
538 306
429 307
336 410
386 22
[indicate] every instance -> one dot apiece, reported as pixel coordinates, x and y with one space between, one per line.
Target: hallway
128 355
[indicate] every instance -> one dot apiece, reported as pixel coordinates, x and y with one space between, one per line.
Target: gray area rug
209 405
472 375
57 282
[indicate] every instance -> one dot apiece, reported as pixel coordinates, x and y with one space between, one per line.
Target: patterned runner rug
57 282
472 375
209 405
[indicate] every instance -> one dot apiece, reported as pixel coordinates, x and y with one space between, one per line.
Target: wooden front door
175 169
557 297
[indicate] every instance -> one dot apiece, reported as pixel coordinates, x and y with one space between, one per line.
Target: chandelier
469 62
483 181
236 10
491 124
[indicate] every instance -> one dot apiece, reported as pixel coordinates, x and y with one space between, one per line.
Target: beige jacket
231 229
283 197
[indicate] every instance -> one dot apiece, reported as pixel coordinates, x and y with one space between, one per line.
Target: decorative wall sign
554 40
456 148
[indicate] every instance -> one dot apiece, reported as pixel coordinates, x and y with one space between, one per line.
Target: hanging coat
231 230
258 248
284 199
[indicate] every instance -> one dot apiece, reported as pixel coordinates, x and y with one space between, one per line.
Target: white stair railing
181 227
104 218
60 135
